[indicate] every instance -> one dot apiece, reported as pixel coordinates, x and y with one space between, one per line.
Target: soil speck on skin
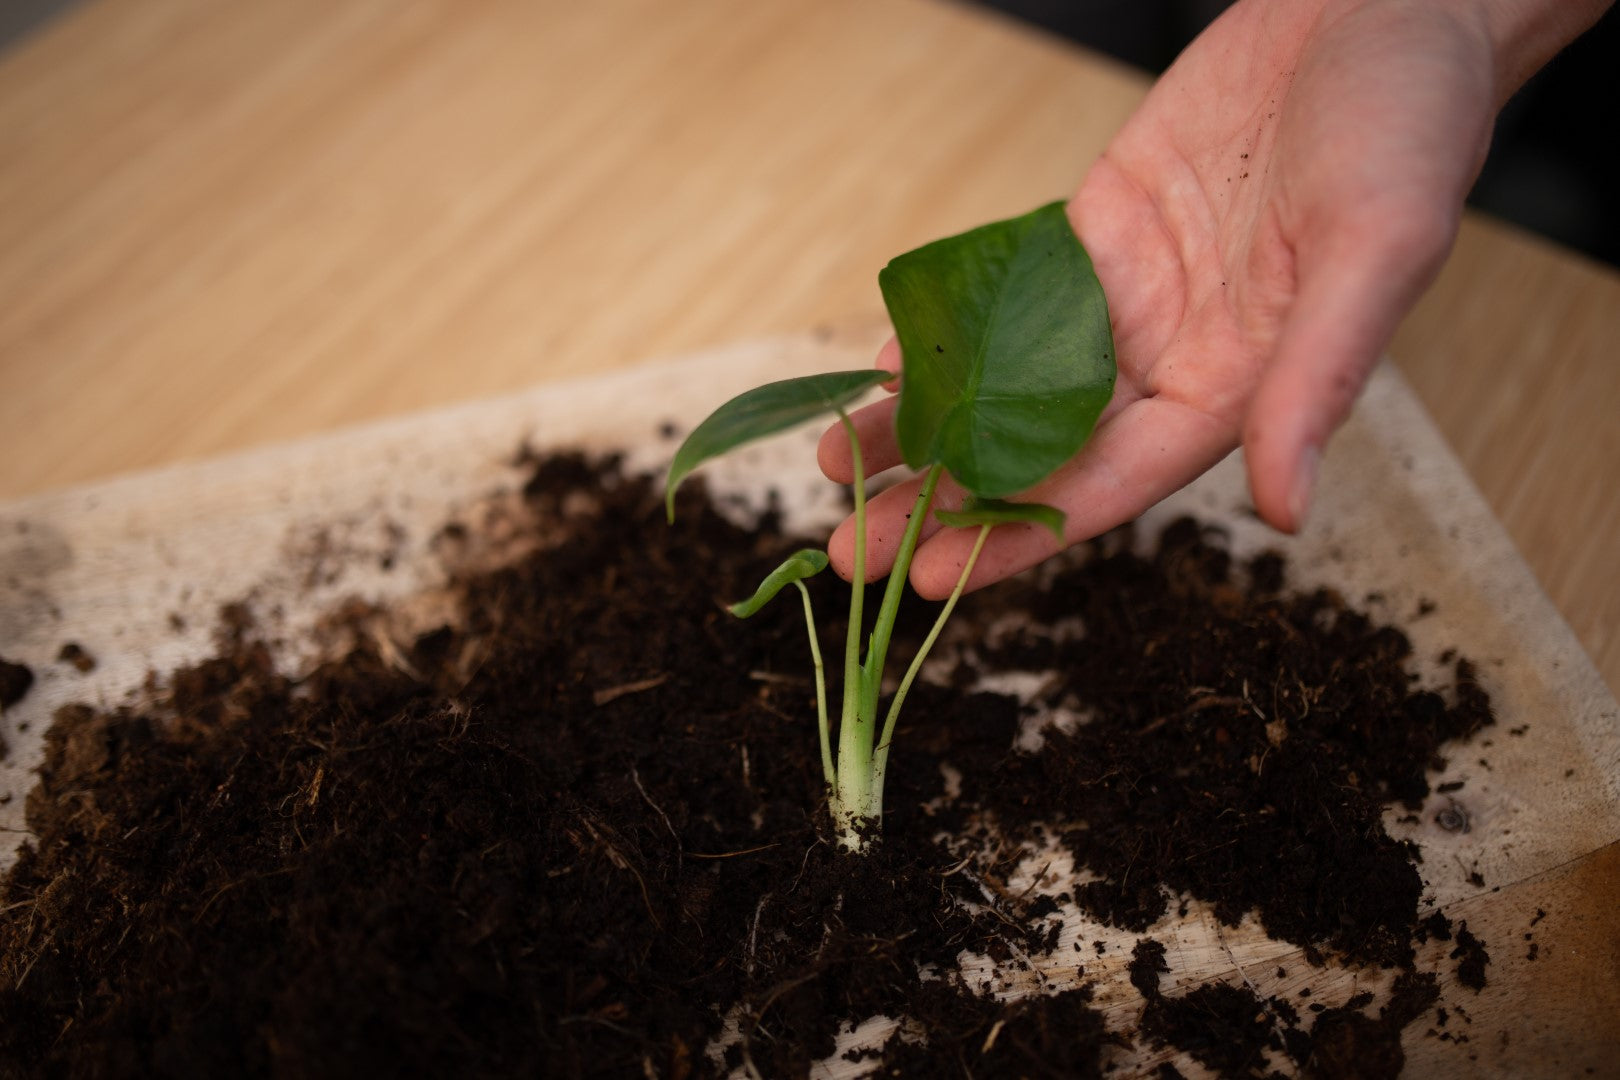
451 851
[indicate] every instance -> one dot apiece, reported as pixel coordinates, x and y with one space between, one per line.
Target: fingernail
1299 499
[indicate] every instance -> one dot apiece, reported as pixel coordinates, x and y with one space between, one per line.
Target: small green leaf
800 565
1000 512
1008 357
765 410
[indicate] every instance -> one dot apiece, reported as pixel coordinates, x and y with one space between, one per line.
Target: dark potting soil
569 832
1471 958
1251 740
15 679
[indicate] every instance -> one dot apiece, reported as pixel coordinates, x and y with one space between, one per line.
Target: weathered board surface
134 570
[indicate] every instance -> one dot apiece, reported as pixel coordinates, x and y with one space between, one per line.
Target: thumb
1353 287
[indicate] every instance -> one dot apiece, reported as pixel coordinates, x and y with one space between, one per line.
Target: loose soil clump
1246 743
15 679
578 830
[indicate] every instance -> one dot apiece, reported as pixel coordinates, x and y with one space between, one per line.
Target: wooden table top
223 225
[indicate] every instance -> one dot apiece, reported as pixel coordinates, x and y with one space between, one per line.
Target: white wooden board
135 569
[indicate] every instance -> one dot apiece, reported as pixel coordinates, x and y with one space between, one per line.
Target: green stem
821 688
881 757
883 630
853 779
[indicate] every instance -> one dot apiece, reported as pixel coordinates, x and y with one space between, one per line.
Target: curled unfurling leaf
798 566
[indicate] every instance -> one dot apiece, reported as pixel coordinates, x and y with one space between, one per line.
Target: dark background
1554 165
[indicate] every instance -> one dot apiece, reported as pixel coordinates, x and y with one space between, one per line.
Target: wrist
1524 34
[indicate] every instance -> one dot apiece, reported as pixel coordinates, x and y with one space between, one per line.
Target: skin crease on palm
1260 225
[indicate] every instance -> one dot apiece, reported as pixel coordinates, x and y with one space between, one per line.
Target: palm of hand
1259 226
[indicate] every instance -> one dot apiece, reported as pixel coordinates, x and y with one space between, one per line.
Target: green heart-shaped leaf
765 410
1008 358
800 565
999 512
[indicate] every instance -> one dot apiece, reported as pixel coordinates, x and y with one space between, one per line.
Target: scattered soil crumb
1147 964
15 679
1471 958
80 658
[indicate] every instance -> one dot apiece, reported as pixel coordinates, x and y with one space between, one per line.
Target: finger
1151 448
1353 290
874 426
887 515
888 358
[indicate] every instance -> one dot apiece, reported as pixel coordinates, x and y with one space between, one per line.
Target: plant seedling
1007 360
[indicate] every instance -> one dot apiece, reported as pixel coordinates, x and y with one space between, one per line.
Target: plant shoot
1007 360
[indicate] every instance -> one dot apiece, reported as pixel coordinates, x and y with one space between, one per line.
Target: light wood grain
229 224
1516 354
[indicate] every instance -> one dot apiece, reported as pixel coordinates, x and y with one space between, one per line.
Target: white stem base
852 829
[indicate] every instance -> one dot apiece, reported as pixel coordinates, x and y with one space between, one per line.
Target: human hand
1260 225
